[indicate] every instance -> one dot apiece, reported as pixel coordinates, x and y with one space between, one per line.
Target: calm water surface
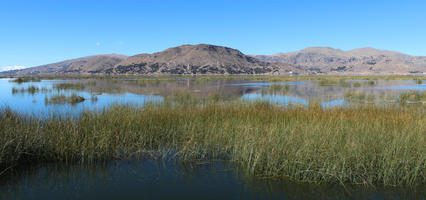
140 92
168 179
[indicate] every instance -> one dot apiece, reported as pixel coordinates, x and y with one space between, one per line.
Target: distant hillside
211 59
186 59
86 65
197 59
327 60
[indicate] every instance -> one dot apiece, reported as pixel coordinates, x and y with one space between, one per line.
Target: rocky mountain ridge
326 60
212 59
197 59
85 65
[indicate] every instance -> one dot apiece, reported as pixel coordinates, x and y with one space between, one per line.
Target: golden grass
358 145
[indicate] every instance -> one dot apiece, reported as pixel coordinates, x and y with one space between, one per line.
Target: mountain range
212 59
358 61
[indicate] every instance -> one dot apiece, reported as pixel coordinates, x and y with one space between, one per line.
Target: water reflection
269 84
336 102
379 92
30 97
275 99
34 103
169 179
405 87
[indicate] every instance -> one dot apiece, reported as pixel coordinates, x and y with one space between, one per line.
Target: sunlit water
150 179
136 92
34 104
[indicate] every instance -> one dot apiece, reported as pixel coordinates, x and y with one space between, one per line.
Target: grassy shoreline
354 145
273 78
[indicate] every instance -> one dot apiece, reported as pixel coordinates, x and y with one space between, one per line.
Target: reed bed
418 80
412 96
20 80
366 145
62 99
30 89
69 86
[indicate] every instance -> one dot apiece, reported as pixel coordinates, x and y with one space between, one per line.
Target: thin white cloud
8 68
98 44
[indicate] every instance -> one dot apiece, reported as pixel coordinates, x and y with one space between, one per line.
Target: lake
171 179
101 94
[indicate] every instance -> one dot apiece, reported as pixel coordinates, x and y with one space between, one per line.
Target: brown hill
197 59
358 61
85 65
211 59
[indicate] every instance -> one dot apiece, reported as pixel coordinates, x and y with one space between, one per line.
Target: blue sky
40 32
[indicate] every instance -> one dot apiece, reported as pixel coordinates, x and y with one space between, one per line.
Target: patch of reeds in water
278 88
358 97
358 145
412 97
62 99
20 80
69 86
333 82
30 89
418 81
356 84
371 83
